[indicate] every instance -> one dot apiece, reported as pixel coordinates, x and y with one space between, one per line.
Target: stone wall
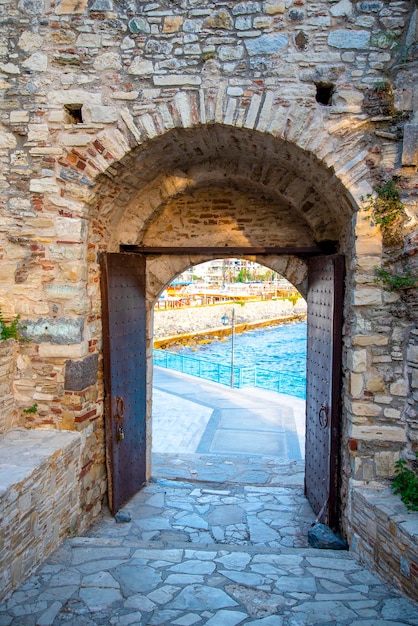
8 411
39 499
384 535
412 410
248 124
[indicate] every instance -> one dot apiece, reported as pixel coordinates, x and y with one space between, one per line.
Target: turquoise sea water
270 350
282 348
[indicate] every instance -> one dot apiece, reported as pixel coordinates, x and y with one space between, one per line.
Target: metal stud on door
325 299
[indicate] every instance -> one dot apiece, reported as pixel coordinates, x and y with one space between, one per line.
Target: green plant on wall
388 212
385 40
395 282
208 54
383 86
31 410
405 484
13 330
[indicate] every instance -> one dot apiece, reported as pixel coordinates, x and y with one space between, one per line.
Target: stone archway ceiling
226 215
149 181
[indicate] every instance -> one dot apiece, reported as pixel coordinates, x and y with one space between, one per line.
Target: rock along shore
190 325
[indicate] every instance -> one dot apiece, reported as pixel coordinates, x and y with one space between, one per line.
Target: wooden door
124 354
323 385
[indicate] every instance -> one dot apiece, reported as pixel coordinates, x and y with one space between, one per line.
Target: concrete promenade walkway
218 537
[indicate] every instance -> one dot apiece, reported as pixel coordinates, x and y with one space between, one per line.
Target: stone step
159 547
253 470
168 512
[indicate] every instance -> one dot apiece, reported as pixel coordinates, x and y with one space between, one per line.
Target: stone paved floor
204 553
215 540
193 415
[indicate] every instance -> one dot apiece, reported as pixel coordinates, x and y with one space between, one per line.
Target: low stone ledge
385 535
39 498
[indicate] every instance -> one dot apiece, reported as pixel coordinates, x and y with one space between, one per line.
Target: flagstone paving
216 540
203 553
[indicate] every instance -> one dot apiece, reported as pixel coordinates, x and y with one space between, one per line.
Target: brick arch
159 155
312 128
182 162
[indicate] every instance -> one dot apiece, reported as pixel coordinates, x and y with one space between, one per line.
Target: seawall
200 323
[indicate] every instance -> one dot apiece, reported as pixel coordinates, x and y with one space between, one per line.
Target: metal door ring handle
120 406
323 416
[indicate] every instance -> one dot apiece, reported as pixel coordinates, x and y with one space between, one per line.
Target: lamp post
225 322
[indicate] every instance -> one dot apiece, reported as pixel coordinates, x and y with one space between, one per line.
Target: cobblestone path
214 539
198 553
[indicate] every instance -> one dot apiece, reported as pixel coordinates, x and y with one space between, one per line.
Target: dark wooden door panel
124 353
325 299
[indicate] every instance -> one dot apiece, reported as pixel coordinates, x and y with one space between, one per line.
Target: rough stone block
139 25
37 62
81 374
344 8
230 53
370 340
172 23
70 229
74 96
243 8
346 39
274 7
220 19
390 434
412 354
70 7
356 384
75 139
9 68
370 244
410 145
43 185
266 44
108 61
399 388
176 79
89 40
30 41
375 383
98 114
139 67
54 330
359 361
365 409
370 7
19 117
65 252
38 132
75 351
367 296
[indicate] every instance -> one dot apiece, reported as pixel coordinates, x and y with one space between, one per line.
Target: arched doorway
236 330
215 191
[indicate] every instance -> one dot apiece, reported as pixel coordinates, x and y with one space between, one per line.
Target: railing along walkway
282 382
